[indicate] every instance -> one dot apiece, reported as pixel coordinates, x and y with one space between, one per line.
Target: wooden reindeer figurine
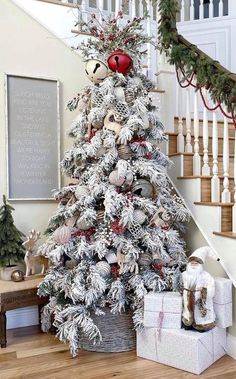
32 260
122 260
110 123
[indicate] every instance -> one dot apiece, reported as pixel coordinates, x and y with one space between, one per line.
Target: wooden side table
18 295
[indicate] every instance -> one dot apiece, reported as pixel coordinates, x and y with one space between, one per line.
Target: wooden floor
32 354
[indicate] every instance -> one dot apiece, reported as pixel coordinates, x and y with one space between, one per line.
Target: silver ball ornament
143 188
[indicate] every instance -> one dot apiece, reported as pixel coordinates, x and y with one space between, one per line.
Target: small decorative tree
11 248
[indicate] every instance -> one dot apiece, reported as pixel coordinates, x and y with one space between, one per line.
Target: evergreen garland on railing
189 60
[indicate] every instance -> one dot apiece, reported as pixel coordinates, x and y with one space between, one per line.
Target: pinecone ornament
124 152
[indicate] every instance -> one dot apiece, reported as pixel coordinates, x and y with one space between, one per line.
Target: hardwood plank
55 362
41 350
209 203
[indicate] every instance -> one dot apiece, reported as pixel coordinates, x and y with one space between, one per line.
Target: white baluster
215 181
100 5
182 10
180 138
83 9
140 8
211 9
149 33
132 8
225 197
221 8
234 207
191 10
117 6
201 10
109 6
206 167
196 157
188 146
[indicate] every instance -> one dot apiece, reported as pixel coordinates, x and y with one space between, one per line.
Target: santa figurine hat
201 254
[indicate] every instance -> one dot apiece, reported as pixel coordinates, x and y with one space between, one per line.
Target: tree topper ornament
120 62
96 70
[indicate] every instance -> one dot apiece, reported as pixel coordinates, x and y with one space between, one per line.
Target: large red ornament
120 62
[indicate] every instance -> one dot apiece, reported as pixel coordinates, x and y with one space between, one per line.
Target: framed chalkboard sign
33 137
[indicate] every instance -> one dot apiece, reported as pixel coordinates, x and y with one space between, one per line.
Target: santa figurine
198 292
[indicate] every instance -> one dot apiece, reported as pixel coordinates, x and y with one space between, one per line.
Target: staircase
210 198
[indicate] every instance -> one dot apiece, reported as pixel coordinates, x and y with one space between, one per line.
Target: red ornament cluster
120 62
84 233
117 227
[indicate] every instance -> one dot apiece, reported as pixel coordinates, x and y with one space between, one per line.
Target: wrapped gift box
163 310
223 302
183 349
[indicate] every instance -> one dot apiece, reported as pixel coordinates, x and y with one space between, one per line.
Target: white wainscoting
21 317
231 345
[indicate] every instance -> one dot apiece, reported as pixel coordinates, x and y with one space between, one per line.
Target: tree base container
117 332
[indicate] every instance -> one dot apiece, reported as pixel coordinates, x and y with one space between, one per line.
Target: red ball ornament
120 62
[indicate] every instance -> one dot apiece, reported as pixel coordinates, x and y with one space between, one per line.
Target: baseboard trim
22 317
231 346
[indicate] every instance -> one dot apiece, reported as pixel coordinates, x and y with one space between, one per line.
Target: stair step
172 146
59 2
225 234
188 163
176 118
201 177
231 127
201 154
209 203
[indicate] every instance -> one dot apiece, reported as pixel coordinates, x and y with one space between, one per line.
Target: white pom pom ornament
81 191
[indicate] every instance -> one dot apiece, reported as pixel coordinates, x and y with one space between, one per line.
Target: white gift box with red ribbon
223 302
163 310
183 349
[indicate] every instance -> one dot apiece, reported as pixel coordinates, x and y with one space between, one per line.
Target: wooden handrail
58 2
188 44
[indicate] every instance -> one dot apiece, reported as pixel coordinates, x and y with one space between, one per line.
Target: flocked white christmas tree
115 235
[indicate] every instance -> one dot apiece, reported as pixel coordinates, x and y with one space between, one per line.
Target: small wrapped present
223 302
163 310
183 349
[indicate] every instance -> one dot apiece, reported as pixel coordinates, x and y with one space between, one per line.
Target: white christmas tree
115 235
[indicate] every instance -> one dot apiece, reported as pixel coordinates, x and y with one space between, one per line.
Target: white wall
27 48
214 36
